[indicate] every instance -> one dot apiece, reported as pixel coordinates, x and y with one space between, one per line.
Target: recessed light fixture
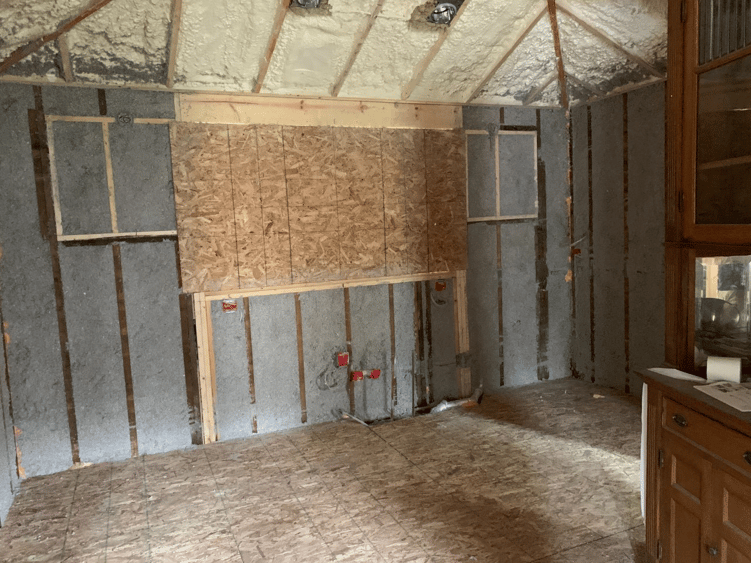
307 3
443 13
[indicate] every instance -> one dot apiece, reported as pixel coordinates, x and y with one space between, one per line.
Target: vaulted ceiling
510 52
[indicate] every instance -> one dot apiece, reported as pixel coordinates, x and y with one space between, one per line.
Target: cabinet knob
713 551
680 420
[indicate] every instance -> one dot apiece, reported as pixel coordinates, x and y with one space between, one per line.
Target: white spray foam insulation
527 68
124 41
549 97
221 43
591 60
478 40
391 51
22 21
313 49
639 25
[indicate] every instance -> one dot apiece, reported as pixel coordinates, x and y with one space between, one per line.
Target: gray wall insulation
621 140
8 477
519 298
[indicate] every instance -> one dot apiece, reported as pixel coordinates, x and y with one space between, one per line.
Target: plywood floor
546 473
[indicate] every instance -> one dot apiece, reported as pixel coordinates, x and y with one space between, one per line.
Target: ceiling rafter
566 9
507 54
66 25
174 36
356 51
422 66
592 88
558 53
538 90
62 47
281 13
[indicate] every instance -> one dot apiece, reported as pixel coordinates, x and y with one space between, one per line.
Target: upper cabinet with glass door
717 121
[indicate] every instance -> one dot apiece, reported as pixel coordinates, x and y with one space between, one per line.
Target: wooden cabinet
698 471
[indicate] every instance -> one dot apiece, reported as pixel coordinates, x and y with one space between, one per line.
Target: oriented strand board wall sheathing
203 201
405 201
445 158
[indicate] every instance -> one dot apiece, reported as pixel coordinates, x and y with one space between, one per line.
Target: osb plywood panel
262 205
208 263
202 178
445 158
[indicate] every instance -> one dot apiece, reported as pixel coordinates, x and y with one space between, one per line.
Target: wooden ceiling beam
507 54
281 13
591 88
62 47
356 51
566 9
422 66
66 25
558 53
538 90
174 36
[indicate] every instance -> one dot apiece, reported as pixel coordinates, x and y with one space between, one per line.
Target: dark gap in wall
46 224
249 350
102 96
125 346
429 334
420 345
626 300
6 374
300 360
500 303
392 335
348 329
541 263
108 241
38 133
590 256
177 264
571 232
518 128
190 359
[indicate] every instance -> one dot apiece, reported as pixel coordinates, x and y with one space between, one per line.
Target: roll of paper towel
723 369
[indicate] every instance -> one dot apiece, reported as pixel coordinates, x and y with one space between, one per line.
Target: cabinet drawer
731 446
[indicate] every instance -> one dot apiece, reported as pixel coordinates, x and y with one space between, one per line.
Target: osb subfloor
546 473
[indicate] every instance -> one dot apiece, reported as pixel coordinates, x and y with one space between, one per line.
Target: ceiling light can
443 13
308 3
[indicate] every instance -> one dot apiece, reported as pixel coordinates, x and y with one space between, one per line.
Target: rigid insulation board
481 180
483 306
232 404
608 222
274 336
519 305
155 342
404 340
646 227
142 172
140 103
27 290
518 174
581 262
481 117
95 353
553 156
324 335
81 177
371 349
63 100
443 383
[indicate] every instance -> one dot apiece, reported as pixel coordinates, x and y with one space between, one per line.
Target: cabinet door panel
733 514
685 486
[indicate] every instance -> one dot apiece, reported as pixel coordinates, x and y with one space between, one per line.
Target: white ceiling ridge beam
63 27
356 51
174 36
507 54
62 47
422 66
591 88
281 13
564 7
537 91
558 52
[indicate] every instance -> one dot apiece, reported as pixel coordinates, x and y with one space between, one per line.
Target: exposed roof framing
358 47
64 26
507 54
176 15
566 9
538 90
591 88
422 66
62 47
281 13
558 54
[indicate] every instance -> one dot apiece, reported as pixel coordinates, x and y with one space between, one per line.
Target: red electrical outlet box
440 285
229 306
374 374
342 359
357 376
